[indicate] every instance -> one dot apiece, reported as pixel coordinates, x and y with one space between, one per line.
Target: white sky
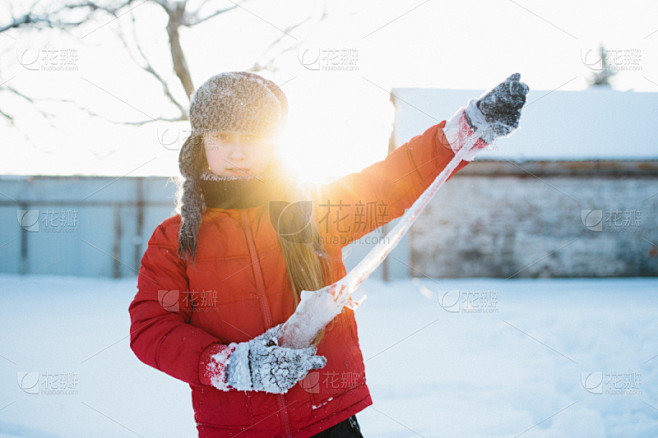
340 121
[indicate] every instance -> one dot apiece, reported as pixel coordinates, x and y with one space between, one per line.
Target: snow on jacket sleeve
160 333
358 203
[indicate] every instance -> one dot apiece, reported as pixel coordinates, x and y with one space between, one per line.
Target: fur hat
230 101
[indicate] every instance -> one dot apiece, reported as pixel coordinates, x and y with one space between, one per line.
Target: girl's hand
500 108
495 114
261 365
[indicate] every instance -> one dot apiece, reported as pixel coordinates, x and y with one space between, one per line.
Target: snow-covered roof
593 124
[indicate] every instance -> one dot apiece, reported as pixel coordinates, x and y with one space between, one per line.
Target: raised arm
360 202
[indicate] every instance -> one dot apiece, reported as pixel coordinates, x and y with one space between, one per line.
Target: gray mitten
261 365
497 113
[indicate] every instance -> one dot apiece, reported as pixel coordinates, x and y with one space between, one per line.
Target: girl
218 279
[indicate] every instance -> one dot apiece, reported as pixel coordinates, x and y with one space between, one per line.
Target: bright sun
328 133
307 159
317 154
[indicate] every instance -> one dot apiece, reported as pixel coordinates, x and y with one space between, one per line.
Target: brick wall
543 219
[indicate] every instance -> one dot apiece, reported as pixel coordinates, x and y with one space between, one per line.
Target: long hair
307 262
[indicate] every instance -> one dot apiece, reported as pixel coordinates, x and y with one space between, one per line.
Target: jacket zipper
266 310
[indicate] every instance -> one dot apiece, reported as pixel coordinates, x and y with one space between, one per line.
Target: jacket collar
233 192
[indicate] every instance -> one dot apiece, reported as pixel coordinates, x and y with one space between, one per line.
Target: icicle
317 308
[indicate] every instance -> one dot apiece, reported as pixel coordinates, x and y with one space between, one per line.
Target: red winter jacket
238 288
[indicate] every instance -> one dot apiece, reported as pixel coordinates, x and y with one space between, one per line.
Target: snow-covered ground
444 358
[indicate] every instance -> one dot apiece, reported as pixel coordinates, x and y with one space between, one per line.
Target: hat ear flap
191 162
192 157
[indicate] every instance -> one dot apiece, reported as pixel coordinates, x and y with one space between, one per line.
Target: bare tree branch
268 62
46 115
8 117
38 21
53 20
93 7
181 69
192 18
146 65
178 16
49 116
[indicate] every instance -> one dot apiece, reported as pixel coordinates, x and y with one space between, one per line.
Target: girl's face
237 153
